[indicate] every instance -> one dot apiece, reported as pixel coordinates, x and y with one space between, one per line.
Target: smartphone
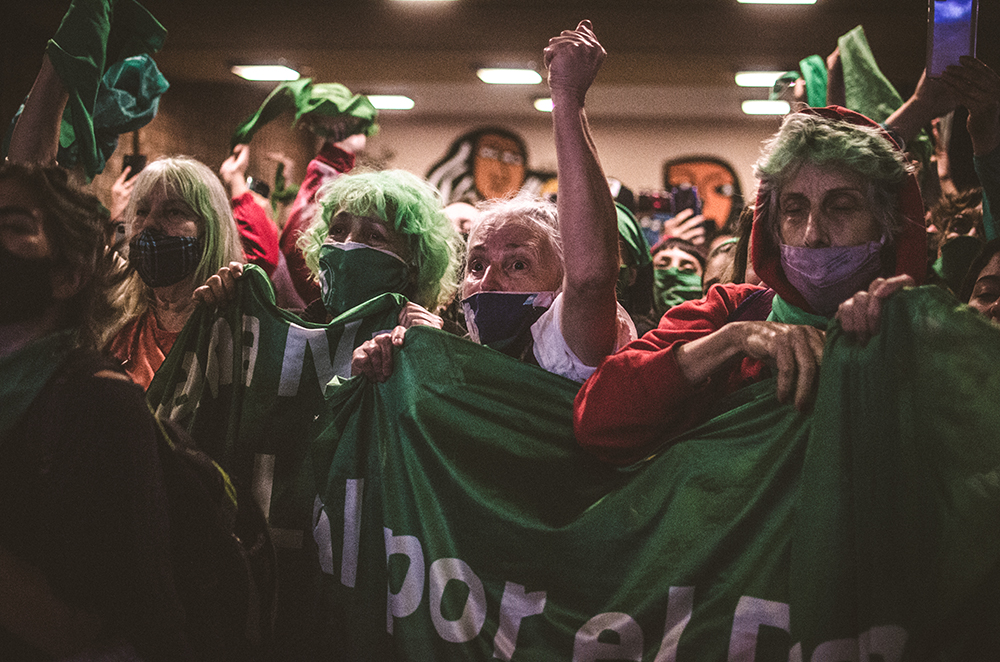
136 161
684 197
951 33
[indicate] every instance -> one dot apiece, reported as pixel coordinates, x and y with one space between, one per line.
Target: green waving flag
452 515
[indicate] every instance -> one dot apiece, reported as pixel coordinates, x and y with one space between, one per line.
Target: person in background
258 233
635 278
981 288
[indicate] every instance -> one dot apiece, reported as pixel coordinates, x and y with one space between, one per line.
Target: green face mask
672 286
351 274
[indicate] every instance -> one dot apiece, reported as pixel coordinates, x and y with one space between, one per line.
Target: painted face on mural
715 183
498 166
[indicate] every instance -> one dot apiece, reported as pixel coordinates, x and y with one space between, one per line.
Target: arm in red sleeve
330 163
258 233
639 397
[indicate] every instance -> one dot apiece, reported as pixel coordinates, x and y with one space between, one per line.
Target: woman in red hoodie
838 226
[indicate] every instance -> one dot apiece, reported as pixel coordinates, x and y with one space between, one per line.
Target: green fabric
813 70
94 33
127 100
301 96
956 257
631 235
870 93
672 287
782 83
25 373
454 509
786 313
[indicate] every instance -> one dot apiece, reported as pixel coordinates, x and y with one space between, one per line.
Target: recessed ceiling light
543 105
509 76
765 107
390 101
757 78
265 72
777 2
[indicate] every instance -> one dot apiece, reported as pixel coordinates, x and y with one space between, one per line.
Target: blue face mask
498 319
351 274
162 260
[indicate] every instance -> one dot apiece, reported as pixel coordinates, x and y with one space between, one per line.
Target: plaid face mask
162 260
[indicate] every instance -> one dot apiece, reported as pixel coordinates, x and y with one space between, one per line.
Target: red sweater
639 397
330 163
258 233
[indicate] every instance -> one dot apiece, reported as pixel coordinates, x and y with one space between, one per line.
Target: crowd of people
657 337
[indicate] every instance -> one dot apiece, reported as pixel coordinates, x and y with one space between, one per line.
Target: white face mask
826 277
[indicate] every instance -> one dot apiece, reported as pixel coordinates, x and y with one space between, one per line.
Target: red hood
911 243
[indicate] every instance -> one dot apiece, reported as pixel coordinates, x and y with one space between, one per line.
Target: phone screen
951 33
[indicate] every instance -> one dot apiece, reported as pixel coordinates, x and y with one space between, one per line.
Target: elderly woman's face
512 257
346 227
824 207
986 293
165 212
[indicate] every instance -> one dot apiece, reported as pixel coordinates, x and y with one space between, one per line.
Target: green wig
409 206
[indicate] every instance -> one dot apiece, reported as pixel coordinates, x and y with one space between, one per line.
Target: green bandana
631 235
25 373
786 313
672 286
327 99
351 274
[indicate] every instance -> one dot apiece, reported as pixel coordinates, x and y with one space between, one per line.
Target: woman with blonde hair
180 230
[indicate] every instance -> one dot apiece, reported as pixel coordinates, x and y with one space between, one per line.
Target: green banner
453 516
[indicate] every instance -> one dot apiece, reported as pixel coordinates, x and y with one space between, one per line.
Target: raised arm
587 218
35 138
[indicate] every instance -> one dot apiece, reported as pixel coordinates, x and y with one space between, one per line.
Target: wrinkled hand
977 87
573 60
233 170
121 192
220 289
414 314
687 226
794 351
861 315
373 358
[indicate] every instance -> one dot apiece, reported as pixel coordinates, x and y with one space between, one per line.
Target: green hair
409 206
862 150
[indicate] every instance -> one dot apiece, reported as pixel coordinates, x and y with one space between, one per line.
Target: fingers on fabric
373 359
861 315
220 289
414 314
795 352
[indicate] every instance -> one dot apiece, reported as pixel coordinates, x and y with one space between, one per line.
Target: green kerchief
93 33
127 100
672 287
870 93
328 99
631 234
814 73
783 82
786 313
25 373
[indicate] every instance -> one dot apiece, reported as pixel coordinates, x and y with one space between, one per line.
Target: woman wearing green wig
375 233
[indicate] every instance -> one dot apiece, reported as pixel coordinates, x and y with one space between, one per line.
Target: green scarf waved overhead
451 515
304 98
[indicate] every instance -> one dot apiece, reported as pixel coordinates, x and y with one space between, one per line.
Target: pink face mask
826 277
